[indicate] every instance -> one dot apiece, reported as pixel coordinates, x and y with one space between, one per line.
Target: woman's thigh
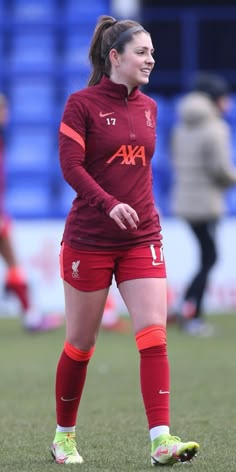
83 311
146 301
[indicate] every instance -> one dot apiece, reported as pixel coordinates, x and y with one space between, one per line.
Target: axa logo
129 155
75 269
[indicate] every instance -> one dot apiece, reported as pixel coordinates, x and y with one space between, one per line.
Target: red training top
107 139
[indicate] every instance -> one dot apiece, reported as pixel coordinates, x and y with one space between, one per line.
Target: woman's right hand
124 216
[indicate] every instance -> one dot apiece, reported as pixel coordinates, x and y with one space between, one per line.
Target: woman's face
133 67
224 104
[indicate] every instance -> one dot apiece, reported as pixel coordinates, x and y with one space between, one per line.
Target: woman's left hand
124 216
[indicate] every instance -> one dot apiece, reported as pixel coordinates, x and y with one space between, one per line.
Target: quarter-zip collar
118 91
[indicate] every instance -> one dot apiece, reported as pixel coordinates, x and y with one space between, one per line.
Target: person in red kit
16 282
15 279
107 139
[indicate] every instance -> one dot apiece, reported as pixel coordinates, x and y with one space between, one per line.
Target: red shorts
93 270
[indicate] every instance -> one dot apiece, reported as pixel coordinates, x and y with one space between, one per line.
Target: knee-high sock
154 375
70 379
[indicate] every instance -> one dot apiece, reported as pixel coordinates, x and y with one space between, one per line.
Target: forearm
74 172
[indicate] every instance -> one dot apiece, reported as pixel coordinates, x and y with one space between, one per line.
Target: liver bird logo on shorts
75 269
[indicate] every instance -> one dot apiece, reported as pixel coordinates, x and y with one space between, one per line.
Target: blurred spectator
15 280
201 153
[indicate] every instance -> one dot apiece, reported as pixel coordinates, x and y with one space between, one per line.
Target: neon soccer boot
167 450
64 450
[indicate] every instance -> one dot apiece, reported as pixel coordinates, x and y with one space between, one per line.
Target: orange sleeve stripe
77 354
61 261
71 133
151 336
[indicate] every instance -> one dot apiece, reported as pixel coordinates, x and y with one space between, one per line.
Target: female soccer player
107 139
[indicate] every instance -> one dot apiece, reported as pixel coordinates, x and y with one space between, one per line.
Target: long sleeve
72 150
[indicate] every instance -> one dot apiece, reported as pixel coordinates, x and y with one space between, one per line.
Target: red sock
70 379
16 283
155 384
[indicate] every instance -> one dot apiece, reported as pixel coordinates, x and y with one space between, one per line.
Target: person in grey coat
201 153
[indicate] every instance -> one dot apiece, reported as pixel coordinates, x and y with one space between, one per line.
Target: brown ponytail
109 33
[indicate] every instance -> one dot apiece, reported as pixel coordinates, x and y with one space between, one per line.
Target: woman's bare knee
83 311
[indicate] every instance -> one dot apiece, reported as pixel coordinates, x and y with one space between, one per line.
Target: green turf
112 429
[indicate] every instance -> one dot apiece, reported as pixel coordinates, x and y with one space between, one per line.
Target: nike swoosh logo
103 115
68 399
162 392
156 263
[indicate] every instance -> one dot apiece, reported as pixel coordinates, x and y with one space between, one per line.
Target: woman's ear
114 57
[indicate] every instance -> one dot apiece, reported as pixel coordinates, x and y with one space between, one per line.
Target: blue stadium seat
65 199
1 10
162 171
1 46
76 50
166 110
230 199
32 51
33 10
230 115
233 142
29 149
162 184
32 99
92 9
75 82
232 111
29 198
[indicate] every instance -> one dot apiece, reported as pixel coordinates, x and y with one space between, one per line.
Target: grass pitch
112 431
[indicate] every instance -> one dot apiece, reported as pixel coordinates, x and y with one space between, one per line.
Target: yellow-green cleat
64 449
167 450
